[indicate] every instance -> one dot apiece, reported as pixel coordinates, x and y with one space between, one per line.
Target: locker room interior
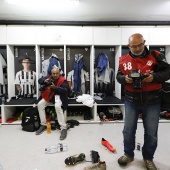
89 28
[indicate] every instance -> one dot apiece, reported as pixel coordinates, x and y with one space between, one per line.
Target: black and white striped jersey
27 82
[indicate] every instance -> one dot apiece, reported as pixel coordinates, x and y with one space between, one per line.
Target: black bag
30 119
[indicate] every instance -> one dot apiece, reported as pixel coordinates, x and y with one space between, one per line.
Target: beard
138 53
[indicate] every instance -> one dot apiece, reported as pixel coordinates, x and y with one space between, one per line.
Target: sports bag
30 119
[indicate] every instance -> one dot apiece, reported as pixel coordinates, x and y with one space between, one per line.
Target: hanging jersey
145 65
104 83
2 66
27 82
4 87
47 66
84 78
3 75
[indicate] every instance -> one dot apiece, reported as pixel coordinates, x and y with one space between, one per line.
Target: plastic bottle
60 147
51 149
48 128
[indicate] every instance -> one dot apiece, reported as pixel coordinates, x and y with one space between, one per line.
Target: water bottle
48 128
60 147
51 149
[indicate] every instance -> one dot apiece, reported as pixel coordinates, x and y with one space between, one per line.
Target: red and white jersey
146 65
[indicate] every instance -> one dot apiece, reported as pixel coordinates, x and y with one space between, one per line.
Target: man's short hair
28 60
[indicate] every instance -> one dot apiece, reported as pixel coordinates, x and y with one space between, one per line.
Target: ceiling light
51 4
38 1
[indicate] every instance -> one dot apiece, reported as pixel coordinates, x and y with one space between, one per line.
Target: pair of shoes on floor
150 165
41 129
97 166
63 134
72 160
124 160
108 145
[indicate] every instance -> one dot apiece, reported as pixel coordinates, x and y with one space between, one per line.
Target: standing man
26 79
141 74
55 91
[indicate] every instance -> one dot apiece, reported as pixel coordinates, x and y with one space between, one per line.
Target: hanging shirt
84 78
3 75
102 63
2 66
47 66
104 83
78 65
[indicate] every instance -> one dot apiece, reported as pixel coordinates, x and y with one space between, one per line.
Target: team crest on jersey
149 63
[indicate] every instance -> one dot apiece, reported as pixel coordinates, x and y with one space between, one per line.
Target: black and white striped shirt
27 82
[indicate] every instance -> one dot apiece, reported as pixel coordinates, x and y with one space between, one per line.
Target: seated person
56 88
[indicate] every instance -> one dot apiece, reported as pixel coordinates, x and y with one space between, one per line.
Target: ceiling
85 11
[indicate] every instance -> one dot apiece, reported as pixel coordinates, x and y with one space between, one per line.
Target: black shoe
63 134
70 125
95 156
124 160
74 122
72 160
40 130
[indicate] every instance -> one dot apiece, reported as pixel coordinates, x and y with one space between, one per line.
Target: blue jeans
150 116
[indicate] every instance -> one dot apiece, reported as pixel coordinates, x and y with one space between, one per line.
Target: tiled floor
21 150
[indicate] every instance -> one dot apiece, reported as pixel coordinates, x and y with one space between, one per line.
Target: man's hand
18 87
148 79
46 80
52 86
128 79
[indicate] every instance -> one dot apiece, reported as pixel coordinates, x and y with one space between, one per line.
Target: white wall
3 35
75 35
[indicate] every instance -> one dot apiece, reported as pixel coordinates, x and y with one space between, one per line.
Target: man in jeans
55 88
141 72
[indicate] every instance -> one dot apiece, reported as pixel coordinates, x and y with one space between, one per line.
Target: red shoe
108 145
